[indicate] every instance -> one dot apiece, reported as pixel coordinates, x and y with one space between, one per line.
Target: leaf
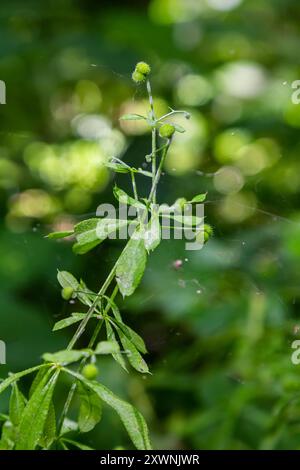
36 412
17 405
92 232
7 436
123 198
179 128
57 235
131 335
75 318
118 167
14 377
184 220
76 444
67 357
132 419
90 410
49 431
67 279
118 357
198 198
152 234
107 347
133 356
131 266
132 117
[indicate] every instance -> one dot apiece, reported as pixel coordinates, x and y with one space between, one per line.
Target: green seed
90 371
166 130
67 293
143 68
138 77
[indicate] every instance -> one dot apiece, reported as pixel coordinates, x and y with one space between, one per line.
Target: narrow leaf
17 405
118 357
36 412
152 234
107 347
57 235
67 357
123 198
14 377
133 356
132 117
132 419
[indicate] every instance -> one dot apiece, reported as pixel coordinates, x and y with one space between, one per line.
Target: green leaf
14 377
118 167
107 347
17 405
131 335
198 198
67 357
36 412
123 198
132 117
92 232
132 419
49 431
185 220
56 235
90 410
179 128
7 436
75 318
133 356
67 279
75 444
118 357
131 266
152 233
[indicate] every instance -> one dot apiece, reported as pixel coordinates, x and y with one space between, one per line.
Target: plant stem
82 363
158 173
153 132
92 308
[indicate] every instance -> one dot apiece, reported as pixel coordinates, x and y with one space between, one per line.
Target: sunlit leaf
131 266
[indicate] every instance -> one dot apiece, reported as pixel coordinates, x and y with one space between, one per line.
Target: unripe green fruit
90 371
143 68
206 232
166 130
138 77
67 293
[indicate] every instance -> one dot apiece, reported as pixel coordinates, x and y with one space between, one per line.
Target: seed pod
90 371
138 77
143 68
166 131
67 293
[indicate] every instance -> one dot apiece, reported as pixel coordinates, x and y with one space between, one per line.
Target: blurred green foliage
219 329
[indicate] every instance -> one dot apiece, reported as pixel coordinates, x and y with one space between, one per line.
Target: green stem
153 153
158 173
92 308
83 361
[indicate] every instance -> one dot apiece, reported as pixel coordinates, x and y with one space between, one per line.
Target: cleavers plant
32 421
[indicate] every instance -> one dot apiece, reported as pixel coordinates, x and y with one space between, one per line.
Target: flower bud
166 130
143 68
67 293
90 371
138 77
